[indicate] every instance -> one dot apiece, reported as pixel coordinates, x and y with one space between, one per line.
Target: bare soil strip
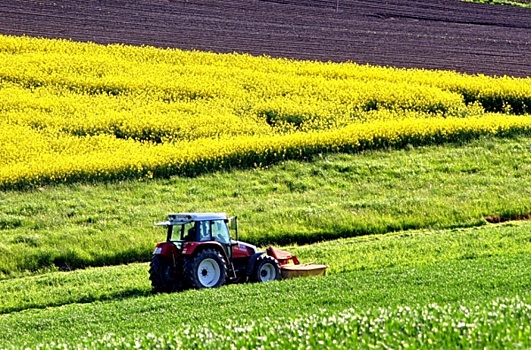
497 219
438 34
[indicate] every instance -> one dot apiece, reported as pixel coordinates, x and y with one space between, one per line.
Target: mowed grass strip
451 283
406 249
328 197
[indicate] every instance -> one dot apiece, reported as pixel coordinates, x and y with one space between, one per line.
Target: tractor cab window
220 231
204 231
186 231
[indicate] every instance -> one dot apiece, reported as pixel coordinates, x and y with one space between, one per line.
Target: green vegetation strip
476 282
329 197
346 255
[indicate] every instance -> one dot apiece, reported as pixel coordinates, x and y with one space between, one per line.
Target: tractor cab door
220 233
232 223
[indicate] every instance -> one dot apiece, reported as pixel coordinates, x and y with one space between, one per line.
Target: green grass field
429 271
330 197
413 262
403 231
404 249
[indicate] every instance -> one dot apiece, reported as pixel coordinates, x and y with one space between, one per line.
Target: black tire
207 269
266 268
164 275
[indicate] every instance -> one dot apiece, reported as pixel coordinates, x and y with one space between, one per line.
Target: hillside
412 185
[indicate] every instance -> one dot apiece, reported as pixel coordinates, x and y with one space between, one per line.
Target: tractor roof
183 218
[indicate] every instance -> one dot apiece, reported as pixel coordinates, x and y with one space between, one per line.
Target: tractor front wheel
206 270
266 268
163 275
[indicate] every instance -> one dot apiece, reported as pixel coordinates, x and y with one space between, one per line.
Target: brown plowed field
445 34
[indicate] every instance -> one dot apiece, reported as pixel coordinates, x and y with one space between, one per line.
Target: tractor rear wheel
207 269
164 276
266 268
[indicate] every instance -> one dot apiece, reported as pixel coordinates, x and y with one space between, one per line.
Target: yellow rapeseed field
80 111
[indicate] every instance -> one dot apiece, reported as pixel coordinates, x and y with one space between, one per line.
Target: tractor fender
167 249
252 261
192 248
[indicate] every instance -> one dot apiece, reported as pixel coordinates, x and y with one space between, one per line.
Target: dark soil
496 219
444 34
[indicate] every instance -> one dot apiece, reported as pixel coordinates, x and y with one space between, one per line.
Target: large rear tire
266 268
207 269
164 275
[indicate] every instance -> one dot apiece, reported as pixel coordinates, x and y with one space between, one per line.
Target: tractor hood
245 247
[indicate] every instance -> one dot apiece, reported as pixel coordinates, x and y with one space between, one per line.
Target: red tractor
199 252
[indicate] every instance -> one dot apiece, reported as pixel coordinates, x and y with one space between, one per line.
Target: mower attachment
290 266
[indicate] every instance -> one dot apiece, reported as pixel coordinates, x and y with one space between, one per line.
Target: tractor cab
186 231
197 227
